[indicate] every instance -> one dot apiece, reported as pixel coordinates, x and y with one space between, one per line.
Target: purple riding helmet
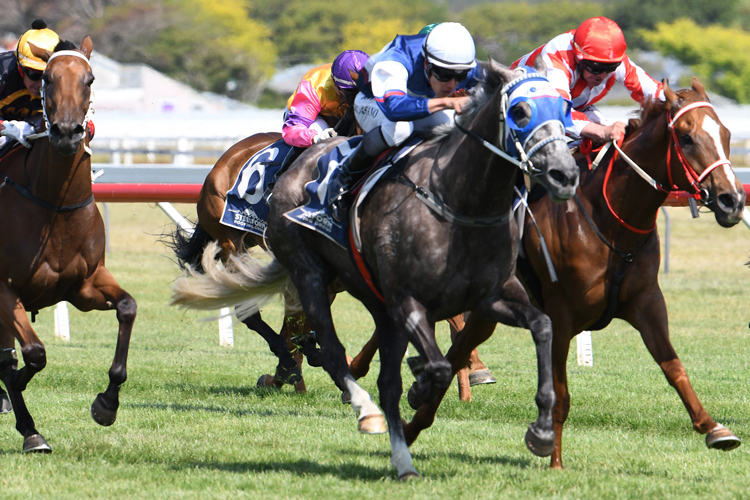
348 60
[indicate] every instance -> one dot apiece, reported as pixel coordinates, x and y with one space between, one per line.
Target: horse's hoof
408 476
372 424
538 445
413 398
5 406
36 444
722 438
100 413
267 381
480 377
346 398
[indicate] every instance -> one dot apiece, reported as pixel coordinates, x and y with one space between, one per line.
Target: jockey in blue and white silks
405 88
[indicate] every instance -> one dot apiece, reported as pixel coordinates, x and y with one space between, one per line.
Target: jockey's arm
604 133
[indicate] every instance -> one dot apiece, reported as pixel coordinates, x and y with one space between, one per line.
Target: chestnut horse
53 241
605 247
430 260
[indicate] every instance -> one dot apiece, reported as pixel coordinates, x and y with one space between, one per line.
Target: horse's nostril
727 202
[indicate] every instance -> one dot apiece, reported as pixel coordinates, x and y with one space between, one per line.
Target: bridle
520 157
89 111
692 176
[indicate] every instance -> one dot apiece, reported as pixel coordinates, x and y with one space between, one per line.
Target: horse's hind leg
101 292
287 371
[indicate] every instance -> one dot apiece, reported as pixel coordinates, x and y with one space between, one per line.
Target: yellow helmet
42 37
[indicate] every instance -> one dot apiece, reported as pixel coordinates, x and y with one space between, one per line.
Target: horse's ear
87 46
540 66
506 73
39 52
669 93
698 87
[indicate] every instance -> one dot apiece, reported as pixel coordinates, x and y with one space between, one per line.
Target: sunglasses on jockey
31 74
597 68
446 75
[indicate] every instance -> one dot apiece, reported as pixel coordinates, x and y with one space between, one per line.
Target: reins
692 176
45 133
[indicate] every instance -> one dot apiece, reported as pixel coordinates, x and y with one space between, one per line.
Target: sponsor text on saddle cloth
316 215
245 207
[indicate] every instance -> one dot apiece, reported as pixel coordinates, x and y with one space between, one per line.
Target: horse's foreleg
296 325
476 331
514 309
101 292
652 323
33 441
393 343
433 372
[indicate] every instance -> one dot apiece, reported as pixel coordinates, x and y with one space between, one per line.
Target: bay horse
605 247
426 264
189 248
53 241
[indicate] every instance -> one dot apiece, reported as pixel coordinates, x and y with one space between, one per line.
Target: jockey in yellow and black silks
21 83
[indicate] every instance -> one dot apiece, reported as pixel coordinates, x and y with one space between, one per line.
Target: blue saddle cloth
315 214
245 208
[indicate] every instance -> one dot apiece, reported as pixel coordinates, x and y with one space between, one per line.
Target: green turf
192 424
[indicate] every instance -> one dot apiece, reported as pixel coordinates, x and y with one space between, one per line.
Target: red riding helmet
599 39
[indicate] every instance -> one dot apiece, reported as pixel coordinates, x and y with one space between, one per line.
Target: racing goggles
597 68
445 75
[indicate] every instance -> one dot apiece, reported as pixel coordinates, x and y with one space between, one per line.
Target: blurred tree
508 30
313 32
634 15
717 54
212 46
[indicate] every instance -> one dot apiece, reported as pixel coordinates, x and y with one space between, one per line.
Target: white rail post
226 331
585 349
62 321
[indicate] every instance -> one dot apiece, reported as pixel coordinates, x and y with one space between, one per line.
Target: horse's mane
480 94
654 108
64 45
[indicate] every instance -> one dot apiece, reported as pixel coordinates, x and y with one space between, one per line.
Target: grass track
193 425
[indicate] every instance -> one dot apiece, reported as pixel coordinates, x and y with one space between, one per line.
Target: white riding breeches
369 116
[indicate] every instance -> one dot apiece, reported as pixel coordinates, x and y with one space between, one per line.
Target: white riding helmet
450 45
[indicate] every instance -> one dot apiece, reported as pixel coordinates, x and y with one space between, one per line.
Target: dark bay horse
189 251
427 266
53 241
605 247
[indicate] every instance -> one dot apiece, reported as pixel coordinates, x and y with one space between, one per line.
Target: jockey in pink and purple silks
321 99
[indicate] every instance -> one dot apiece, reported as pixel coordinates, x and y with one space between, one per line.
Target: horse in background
605 247
427 262
53 244
189 248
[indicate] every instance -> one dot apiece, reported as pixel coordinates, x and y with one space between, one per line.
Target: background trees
233 46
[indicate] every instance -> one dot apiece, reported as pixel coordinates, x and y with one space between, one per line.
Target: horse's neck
628 195
471 179
58 179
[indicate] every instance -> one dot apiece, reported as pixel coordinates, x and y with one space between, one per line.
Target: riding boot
292 155
351 169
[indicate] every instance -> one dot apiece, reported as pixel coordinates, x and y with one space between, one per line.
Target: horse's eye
521 114
686 140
